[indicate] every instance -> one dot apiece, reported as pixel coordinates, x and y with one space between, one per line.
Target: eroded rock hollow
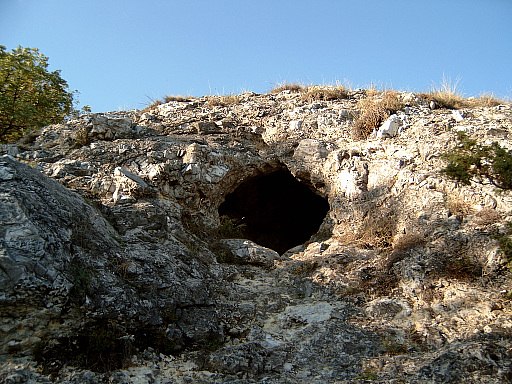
275 210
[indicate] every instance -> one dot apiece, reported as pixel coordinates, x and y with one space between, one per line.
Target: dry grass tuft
458 207
152 105
401 245
391 101
372 90
486 100
324 93
457 266
304 268
487 216
373 112
447 96
408 241
446 100
166 99
224 101
292 87
169 98
378 229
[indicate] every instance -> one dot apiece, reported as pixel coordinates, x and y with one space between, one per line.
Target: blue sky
121 54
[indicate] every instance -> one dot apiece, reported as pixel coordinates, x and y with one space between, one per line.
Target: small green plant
101 347
81 278
368 375
393 347
82 137
471 161
505 244
230 229
501 170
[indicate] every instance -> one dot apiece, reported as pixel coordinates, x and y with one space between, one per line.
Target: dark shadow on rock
275 210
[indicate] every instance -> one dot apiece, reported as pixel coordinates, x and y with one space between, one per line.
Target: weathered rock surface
116 267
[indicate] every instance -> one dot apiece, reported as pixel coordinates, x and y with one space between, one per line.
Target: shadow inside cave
275 210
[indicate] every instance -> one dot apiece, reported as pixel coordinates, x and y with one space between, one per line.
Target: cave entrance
275 210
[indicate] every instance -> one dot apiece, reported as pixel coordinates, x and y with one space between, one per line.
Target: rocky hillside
272 238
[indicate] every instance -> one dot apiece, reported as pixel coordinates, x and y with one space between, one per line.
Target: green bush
102 346
81 277
505 244
471 161
229 228
502 166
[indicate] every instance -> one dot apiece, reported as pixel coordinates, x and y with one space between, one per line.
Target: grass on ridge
292 87
327 93
447 95
224 101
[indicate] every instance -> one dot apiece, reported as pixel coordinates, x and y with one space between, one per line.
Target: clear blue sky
120 54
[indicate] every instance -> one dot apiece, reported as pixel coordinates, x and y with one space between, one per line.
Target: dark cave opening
275 210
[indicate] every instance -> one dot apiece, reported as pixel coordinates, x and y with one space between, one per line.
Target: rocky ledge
252 239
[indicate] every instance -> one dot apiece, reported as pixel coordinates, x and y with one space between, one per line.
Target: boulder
389 128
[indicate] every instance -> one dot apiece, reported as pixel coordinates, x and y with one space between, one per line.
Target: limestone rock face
60 255
119 262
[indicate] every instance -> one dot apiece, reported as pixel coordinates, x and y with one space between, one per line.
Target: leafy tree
30 95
